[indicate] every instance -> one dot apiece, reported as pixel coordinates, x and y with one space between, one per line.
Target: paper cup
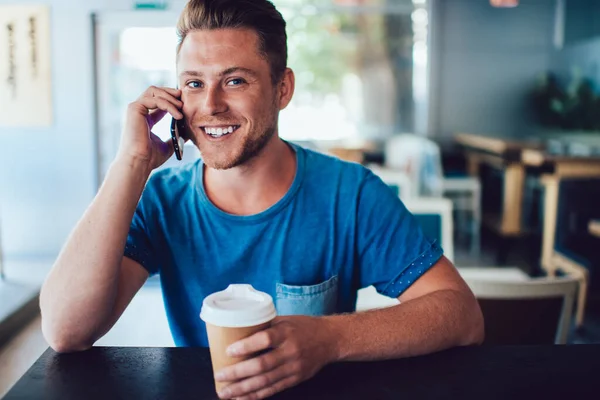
231 315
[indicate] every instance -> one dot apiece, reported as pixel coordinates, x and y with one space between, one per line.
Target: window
361 68
360 65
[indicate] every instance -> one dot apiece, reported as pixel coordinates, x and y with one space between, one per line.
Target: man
306 228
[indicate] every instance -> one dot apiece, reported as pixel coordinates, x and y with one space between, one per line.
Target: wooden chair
347 154
535 311
568 246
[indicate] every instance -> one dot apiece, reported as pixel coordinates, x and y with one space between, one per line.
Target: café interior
482 115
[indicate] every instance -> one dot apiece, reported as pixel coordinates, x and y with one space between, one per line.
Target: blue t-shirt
339 228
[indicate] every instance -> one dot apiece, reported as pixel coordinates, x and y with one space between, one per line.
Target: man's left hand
299 347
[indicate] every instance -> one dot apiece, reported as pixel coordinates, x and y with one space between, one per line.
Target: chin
217 157
221 163
220 167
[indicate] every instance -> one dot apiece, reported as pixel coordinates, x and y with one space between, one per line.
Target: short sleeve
139 246
393 250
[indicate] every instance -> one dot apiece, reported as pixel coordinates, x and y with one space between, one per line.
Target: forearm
78 295
436 321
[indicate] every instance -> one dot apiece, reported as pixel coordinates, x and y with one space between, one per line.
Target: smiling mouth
219 131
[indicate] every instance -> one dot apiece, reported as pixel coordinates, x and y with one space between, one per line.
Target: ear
286 88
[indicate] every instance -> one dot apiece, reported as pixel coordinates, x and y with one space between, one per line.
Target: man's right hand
138 143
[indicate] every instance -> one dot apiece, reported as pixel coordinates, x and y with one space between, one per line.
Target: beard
251 148
230 154
226 156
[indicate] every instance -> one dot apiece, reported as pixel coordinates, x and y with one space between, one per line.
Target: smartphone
178 136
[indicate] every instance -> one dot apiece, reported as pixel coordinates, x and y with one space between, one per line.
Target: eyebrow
228 71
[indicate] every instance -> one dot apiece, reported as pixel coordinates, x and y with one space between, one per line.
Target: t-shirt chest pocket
314 300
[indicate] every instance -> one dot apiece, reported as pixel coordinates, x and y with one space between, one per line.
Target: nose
214 101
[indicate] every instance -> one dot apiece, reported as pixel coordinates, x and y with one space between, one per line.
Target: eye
194 84
235 82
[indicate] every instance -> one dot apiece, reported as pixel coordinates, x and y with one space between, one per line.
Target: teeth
218 132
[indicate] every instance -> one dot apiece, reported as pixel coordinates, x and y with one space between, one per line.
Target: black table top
528 372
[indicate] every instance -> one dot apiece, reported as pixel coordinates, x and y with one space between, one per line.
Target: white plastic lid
238 306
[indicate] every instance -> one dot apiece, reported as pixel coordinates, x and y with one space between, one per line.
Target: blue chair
398 181
435 217
420 158
575 250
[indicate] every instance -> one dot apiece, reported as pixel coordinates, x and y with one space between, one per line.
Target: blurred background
482 115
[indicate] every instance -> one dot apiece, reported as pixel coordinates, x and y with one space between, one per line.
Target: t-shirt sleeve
393 250
139 246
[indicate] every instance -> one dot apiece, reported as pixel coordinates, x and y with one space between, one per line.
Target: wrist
129 174
334 338
137 166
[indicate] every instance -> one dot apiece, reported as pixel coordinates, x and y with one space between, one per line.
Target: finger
254 366
171 95
171 99
172 91
156 115
277 387
152 103
259 382
263 340
166 148
165 92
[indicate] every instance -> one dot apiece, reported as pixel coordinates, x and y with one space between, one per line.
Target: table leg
550 211
514 179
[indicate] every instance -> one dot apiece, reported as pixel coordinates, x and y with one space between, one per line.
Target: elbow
65 344
61 341
478 333
63 347
66 347
470 327
476 325
60 333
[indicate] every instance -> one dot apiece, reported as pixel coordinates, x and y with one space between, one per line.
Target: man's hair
258 15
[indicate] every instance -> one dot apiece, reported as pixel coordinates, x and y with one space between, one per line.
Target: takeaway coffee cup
231 315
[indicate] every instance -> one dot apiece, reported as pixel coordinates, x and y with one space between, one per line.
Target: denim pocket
315 300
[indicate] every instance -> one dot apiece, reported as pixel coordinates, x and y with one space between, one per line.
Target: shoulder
325 170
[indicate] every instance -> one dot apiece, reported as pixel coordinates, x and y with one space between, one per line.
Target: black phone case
177 131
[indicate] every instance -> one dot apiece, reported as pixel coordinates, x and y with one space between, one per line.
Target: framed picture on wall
25 75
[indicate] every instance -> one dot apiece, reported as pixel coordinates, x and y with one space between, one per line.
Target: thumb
165 148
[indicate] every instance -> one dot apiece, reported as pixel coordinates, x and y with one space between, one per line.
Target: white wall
486 61
47 176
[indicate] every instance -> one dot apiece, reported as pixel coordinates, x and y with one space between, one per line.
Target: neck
255 186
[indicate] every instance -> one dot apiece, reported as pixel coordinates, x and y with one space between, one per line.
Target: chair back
418 157
435 217
578 203
397 180
533 312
